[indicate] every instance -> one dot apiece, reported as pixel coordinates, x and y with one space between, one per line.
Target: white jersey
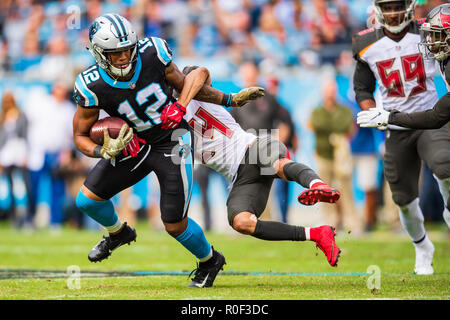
220 142
405 79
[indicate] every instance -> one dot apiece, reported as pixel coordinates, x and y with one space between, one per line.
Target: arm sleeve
430 119
364 82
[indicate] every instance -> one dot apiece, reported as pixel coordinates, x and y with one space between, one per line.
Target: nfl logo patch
132 85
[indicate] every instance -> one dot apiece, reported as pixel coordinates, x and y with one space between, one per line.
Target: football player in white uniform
390 56
250 164
435 44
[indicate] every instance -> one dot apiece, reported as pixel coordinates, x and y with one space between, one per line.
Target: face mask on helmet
394 16
113 43
435 34
121 62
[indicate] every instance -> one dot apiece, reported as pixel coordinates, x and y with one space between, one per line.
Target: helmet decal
93 29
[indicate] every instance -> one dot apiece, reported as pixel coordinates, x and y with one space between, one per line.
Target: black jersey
138 101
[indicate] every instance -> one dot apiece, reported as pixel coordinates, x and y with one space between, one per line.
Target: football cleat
323 236
206 272
424 258
319 193
105 247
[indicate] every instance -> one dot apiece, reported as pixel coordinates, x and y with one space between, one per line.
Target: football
113 124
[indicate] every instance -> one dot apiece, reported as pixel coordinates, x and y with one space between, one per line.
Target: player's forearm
429 119
193 82
211 95
85 145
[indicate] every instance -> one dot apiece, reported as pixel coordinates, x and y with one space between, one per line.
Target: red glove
133 146
171 116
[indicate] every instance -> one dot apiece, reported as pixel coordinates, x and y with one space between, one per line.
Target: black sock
276 231
300 173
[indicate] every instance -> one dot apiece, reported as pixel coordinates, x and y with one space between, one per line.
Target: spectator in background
431 201
201 176
258 115
332 124
13 156
287 135
50 140
55 64
270 36
366 161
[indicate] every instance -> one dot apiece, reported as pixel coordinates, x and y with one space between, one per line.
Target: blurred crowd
51 36
45 41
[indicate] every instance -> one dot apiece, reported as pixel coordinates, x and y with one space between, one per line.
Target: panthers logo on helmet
93 29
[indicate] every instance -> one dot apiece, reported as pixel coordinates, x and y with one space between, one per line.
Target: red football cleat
319 192
323 236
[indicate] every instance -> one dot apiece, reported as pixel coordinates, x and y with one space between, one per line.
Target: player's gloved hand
112 147
171 115
133 146
245 95
374 117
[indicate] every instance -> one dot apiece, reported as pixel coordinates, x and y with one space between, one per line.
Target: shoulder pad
82 94
364 39
163 50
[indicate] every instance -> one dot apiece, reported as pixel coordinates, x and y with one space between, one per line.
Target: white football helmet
404 16
113 33
435 33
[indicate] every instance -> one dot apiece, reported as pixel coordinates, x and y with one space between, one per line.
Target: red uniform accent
133 146
319 192
323 236
172 115
210 123
366 31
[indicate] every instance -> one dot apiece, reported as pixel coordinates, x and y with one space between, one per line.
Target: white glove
112 147
376 118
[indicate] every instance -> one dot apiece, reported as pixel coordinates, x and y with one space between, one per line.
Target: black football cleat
104 248
206 272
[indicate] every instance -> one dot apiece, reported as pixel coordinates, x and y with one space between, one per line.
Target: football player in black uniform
132 80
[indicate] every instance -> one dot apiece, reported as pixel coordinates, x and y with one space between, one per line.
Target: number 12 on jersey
142 98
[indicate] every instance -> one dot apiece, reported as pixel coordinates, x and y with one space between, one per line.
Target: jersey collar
123 84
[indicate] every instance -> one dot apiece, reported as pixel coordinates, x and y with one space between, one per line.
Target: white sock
209 256
314 181
115 227
412 219
307 235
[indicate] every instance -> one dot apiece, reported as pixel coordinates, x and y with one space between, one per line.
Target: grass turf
277 270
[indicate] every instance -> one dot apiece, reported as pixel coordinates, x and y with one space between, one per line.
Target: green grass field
255 269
